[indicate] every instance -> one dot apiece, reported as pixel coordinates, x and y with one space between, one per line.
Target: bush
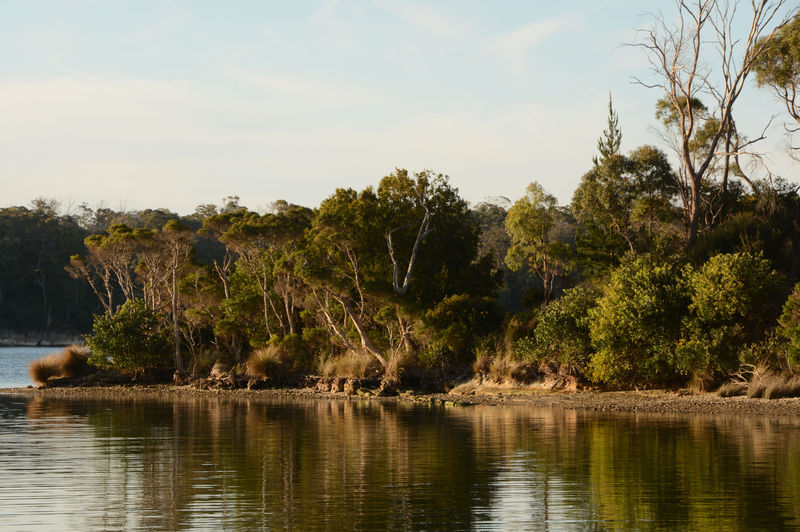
636 323
456 320
133 338
562 334
733 303
789 324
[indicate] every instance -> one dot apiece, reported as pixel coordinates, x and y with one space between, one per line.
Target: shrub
636 323
562 333
789 324
133 338
456 320
264 362
42 369
733 297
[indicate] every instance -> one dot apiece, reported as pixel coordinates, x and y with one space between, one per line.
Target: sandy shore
649 401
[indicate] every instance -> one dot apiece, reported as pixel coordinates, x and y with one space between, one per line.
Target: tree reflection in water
179 463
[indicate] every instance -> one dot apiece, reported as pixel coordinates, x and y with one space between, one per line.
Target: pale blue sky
176 103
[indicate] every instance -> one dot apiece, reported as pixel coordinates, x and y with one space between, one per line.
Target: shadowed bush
264 363
42 369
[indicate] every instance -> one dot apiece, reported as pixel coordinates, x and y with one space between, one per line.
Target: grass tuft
732 389
44 368
352 365
74 360
264 363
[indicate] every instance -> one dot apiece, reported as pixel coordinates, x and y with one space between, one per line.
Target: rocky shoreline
672 402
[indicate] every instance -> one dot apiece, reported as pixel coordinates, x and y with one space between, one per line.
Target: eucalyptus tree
778 68
681 58
530 223
109 264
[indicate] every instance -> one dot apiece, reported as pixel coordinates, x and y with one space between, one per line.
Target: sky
173 104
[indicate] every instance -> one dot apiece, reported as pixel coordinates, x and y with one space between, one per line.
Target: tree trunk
176 334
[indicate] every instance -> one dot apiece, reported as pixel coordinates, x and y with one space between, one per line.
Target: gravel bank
649 401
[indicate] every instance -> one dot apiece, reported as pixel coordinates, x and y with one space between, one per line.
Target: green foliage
789 324
778 65
636 323
733 302
529 224
562 333
611 140
457 320
624 204
133 338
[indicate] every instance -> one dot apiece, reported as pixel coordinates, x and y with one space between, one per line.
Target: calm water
338 465
14 364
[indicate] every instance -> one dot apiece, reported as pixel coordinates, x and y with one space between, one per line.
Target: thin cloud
316 93
425 19
512 48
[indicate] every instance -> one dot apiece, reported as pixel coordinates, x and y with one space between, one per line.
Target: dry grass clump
74 360
761 381
504 368
352 365
482 364
732 389
204 361
398 363
264 363
44 368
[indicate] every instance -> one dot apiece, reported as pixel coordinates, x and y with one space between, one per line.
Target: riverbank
647 401
10 338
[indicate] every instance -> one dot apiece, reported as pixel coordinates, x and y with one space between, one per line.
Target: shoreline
646 401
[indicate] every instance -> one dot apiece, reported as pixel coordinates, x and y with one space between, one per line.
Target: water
215 464
14 364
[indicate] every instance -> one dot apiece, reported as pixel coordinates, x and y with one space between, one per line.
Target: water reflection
204 463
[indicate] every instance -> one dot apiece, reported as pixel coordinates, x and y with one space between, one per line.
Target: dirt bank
650 401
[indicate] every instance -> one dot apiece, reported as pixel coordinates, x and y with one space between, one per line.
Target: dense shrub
789 324
133 338
733 303
636 323
562 332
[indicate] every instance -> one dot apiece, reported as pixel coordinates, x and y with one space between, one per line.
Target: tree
529 224
679 55
609 144
778 68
